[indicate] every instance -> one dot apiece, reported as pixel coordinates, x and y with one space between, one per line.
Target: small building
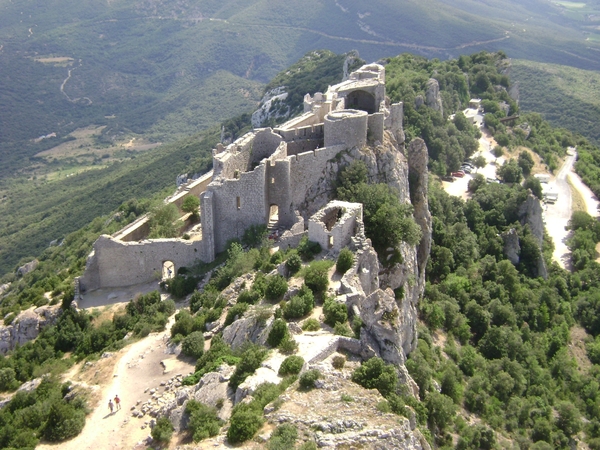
475 103
543 177
334 225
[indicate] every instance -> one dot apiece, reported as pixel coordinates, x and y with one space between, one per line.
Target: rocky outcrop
26 268
530 213
272 106
4 288
27 326
433 99
253 327
512 248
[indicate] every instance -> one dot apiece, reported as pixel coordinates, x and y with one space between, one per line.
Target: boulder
433 99
26 268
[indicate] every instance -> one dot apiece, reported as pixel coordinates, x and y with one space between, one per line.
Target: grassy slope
565 96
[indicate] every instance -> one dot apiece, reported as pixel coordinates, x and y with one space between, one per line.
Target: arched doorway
168 270
362 100
273 217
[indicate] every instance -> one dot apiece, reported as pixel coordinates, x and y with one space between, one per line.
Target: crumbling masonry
268 174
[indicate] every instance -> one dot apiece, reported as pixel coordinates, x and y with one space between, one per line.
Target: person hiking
110 405
118 402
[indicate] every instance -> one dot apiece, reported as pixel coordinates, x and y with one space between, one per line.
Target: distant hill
565 96
167 69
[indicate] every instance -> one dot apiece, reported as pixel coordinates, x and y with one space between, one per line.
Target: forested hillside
567 97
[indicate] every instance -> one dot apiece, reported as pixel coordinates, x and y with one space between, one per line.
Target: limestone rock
26 268
252 327
272 106
27 326
530 213
4 288
512 248
433 98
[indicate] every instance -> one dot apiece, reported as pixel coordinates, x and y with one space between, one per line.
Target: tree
191 203
536 187
376 374
479 162
525 162
345 260
193 344
498 152
161 221
510 172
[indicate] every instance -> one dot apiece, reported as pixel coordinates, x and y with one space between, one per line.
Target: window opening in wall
236 174
272 180
238 203
330 243
168 270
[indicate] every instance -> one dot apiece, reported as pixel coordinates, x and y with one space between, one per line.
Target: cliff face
27 326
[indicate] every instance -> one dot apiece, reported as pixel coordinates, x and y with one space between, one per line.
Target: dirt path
137 369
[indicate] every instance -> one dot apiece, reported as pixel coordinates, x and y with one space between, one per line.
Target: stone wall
115 263
375 127
238 203
347 128
334 226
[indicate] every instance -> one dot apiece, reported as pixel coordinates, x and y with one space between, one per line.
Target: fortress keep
280 175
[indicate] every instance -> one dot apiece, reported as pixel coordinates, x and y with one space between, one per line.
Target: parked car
466 169
468 164
451 179
458 174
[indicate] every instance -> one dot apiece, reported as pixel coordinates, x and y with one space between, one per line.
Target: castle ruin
267 175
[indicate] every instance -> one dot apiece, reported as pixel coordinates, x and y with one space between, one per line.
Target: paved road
558 214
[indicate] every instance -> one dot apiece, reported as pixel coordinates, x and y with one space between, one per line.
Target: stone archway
168 270
361 100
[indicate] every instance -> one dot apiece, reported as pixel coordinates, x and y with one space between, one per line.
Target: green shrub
300 304
316 276
184 324
236 310
277 257
279 331
334 312
8 381
292 365
338 362
345 261
193 344
251 357
308 378
163 430
308 249
311 325
245 421
64 422
255 235
250 297
283 438
342 329
310 445
375 374
204 422
293 263
276 287
288 345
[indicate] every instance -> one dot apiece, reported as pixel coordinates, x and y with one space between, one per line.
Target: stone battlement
264 176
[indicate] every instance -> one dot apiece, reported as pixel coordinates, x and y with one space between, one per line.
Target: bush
299 305
334 312
279 331
245 421
288 345
293 263
64 422
8 381
342 329
250 359
292 365
375 374
236 310
338 362
193 344
316 276
311 325
204 422
163 430
249 296
283 438
276 287
308 249
308 378
345 261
